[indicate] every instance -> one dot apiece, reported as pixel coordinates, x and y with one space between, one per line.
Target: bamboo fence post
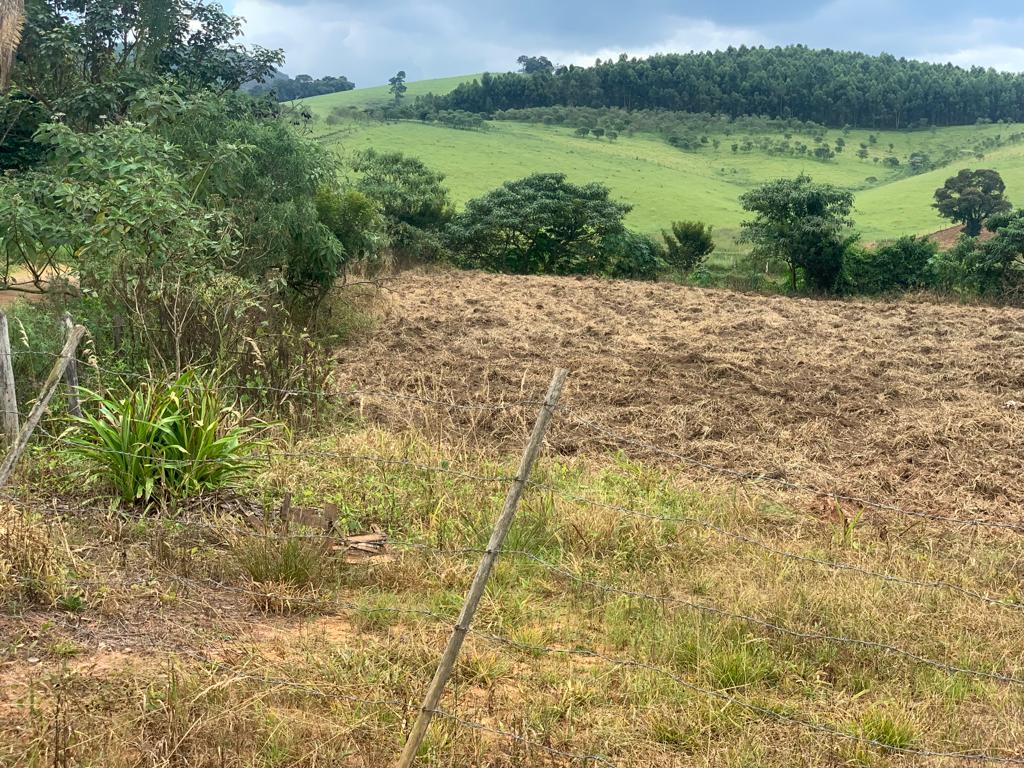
476 589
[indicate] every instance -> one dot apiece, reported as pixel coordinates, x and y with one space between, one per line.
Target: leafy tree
687 244
632 256
541 224
802 224
998 264
397 86
612 135
583 131
598 132
534 65
411 197
971 197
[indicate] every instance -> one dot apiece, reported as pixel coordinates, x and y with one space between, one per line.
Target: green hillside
663 183
378 95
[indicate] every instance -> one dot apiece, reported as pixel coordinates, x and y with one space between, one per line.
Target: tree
411 197
687 244
971 197
12 19
802 224
541 224
582 131
533 65
597 132
397 86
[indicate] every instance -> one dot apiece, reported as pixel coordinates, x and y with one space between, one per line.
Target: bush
411 197
688 244
633 256
904 264
162 440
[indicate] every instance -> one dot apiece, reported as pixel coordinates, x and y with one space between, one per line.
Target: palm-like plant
163 440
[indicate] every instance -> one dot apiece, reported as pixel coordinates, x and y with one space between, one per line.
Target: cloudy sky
369 41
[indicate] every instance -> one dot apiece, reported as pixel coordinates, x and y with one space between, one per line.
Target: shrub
162 440
688 244
631 255
411 197
897 266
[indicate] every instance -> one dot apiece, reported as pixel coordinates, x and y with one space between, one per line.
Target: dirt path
914 403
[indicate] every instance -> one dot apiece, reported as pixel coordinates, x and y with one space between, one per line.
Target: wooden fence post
8 395
71 372
67 354
476 589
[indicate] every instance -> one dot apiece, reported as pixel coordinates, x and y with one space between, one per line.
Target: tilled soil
908 403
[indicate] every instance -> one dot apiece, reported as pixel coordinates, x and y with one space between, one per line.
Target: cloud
687 35
368 42
1005 58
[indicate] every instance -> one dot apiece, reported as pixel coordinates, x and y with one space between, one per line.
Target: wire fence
573 572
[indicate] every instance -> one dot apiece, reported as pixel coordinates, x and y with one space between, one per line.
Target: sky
371 40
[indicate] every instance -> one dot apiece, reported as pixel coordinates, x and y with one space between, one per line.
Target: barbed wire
573 418
787 484
391 543
252 592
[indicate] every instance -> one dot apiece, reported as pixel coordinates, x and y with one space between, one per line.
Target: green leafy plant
162 440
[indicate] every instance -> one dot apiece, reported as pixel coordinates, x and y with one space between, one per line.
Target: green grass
600 649
377 95
665 184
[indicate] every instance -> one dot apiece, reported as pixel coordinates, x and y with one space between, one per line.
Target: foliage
995 266
687 244
411 197
802 224
397 86
634 256
86 58
285 88
541 224
353 218
971 197
901 265
836 88
161 440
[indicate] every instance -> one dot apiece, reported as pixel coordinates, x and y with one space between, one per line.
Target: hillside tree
970 197
801 223
687 244
397 86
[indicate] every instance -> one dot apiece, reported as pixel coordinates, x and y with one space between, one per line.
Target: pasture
664 183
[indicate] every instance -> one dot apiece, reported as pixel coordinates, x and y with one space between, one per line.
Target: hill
664 183
378 96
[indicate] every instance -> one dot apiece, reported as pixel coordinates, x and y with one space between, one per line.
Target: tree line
832 88
285 88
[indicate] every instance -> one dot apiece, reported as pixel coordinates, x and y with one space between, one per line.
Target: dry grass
301 660
911 403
